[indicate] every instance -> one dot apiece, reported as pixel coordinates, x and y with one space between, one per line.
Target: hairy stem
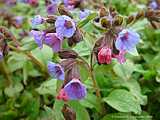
91 72
6 72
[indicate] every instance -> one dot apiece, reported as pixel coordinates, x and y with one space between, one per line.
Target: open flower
38 37
56 70
105 55
37 20
53 41
75 90
153 4
65 26
127 40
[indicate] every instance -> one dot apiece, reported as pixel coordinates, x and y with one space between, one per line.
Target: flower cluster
72 89
117 41
65 27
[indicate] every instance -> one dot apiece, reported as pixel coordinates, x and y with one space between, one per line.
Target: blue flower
56 70
55 1
65 26
38 37
1 55
153 4
53 41
52 8
37 20
70 4
84 13
75 90
18 20
127 40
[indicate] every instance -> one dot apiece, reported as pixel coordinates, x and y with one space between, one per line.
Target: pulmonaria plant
117 41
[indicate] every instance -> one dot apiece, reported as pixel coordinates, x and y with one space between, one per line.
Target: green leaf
58 106
81 112
85 21
44 55
123 101
14 90
82 49
119 116
48 87
91 101
124 70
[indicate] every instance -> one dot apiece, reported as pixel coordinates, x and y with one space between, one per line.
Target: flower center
125 37
58 70
68 24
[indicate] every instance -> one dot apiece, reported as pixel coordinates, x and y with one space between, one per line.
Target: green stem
91 72
6 72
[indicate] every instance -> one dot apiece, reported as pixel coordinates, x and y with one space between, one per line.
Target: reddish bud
62 95
105 55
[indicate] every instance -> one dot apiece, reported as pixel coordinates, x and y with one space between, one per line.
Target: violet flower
53 41
153 4
38 37
65 26
70 4
56 70
1 55
37 20
75 90
52 8
127 40
18 21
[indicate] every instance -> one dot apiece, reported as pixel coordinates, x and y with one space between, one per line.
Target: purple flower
53 41
75 90
85 13
153 5
55 70
52 8
10 2
55 1
18 20
65 26
38 37
70 4
127 40
1 55
37 20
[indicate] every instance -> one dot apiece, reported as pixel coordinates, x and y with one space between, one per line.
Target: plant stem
6 72
91 72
